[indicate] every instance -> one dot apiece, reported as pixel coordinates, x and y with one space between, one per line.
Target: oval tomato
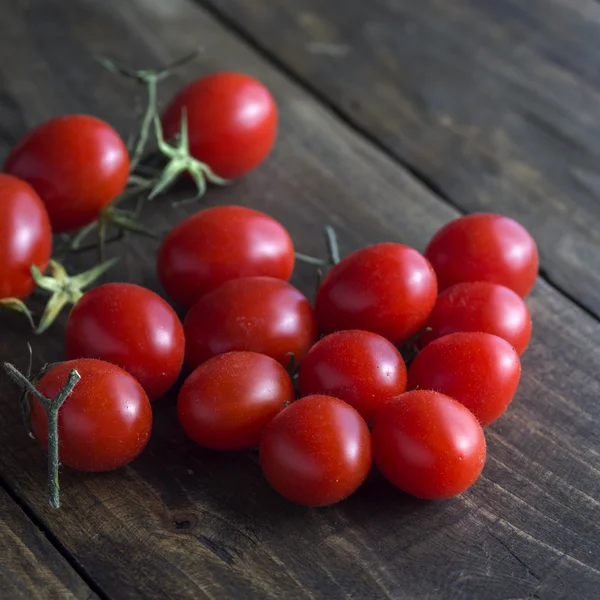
76 163
232 122
358 367
132 327
227 402
484 247
25 237
256 314
480 306
388 289
480 370
219 244
428 445
103 424
317 451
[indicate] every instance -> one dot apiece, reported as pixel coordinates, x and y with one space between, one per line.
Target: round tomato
131 327
256 314
428 445
25 237
480 306
103 424
76 163
227 402
358 367
232 122
480 370
219 244
317 451
388 289
484 247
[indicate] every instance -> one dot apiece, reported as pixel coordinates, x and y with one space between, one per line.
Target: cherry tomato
480 306
131 327
105 422
25 237
388 289
232 122
428 445
227 402
484 247
480 370
256 314
219 244
358 367
76 163
317 451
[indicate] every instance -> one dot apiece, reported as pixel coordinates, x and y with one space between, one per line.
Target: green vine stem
51 406
18 305
333 251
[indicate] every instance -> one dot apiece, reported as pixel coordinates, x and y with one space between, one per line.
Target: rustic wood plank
30 567
496 103
181 521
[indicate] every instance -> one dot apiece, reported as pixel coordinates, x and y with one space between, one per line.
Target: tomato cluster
322 391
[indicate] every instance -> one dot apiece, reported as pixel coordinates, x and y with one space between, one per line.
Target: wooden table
396 116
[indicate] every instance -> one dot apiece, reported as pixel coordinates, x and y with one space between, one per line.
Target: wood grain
496 103
185 522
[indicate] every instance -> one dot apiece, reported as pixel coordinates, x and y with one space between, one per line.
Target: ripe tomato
317 451
76 163
480 370
256 314
428 445
25 237
232 122
131 327
480 306
219 244
358 367
227 402
388 289
484 247
105 422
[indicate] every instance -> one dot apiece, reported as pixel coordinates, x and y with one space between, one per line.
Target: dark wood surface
184 522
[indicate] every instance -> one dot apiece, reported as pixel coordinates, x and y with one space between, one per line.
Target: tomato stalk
333 251
51 406
18 305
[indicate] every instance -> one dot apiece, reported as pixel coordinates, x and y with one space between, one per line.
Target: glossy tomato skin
25 237
480 370
388 289
484 247
254 314
132 327
428 445
358 367
106 421
317 451
480 306
76 163
232 122
229 400
219 244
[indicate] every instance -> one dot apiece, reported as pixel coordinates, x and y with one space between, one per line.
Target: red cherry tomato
131 327
480 306
484 247
317 451
105 422
77 164
428 445
388 289
232 122
227 402
480 370
219 244
358 367
25 237
256 314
